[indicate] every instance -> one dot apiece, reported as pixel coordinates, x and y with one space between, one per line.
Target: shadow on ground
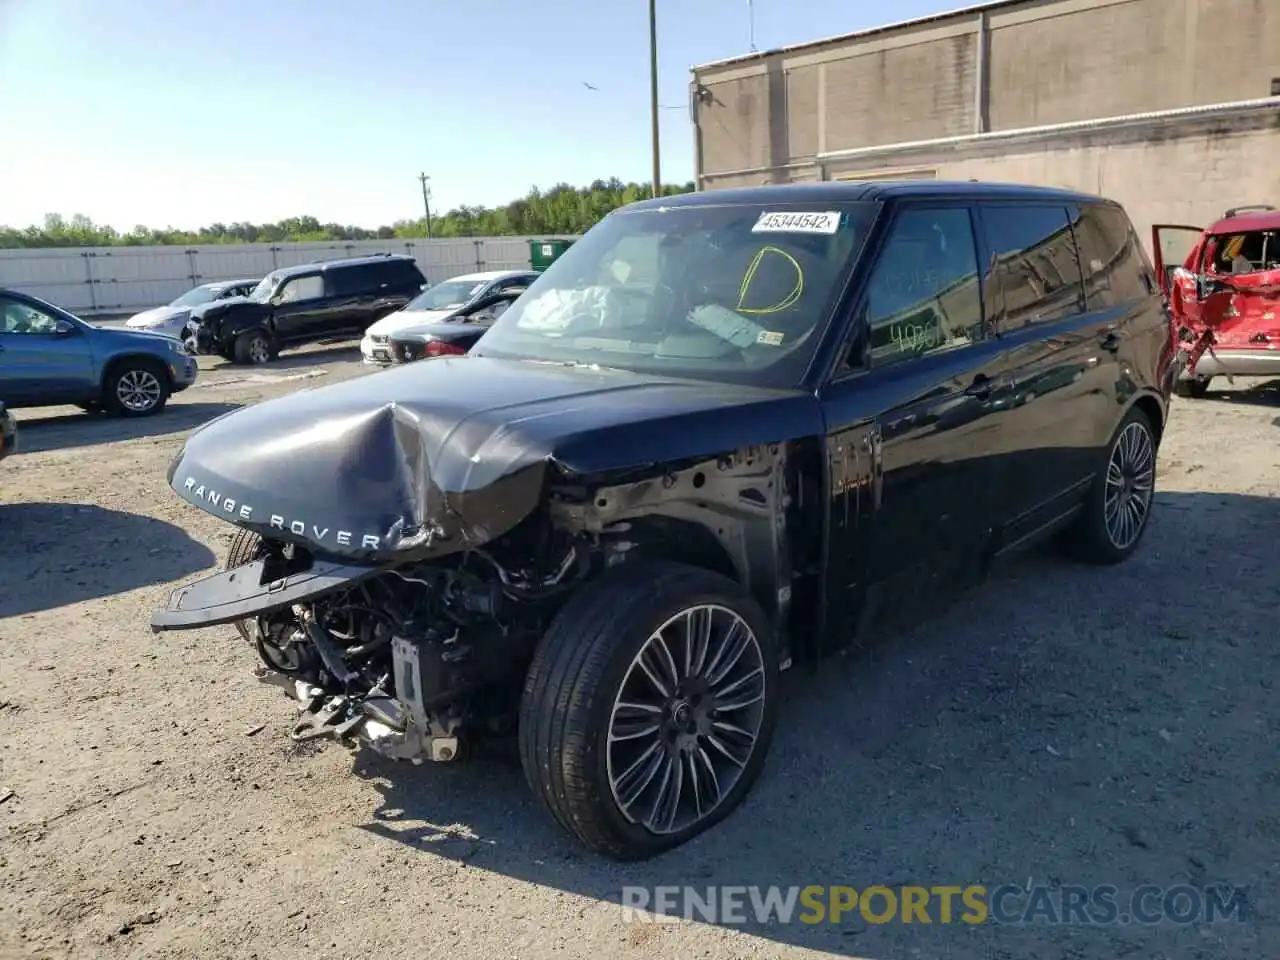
1060 725
64 428
116 552
1258 394
340 351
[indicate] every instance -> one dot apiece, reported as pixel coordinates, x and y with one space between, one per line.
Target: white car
438 303
172 318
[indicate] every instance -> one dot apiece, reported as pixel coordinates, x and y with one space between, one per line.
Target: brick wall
1048 61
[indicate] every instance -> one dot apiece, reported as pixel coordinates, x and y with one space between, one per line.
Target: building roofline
954 14
1209 111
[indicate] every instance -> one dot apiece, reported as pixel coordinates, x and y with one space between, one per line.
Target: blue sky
186 112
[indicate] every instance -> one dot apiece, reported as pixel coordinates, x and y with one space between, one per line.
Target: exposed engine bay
415 660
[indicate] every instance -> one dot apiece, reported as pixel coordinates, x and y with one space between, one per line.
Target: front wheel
246 547
136 389
254 347
1119 500
649 707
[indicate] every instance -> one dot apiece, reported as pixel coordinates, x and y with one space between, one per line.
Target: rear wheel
254 347
648 708
136 388
1192 389
1119 501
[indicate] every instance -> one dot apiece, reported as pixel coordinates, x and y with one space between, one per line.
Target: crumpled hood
203 311
428 459
395 322
157 316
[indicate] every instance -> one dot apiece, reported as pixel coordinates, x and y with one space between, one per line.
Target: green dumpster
543 253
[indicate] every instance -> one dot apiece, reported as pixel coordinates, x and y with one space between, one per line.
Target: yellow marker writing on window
786 302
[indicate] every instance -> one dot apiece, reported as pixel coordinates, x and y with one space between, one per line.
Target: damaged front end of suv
419 575
402 606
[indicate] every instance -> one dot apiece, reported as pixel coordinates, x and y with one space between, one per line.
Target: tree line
561 210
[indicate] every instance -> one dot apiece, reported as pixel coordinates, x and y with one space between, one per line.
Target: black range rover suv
724 433
292 306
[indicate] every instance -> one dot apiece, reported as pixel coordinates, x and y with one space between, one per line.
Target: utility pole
426 200
653 95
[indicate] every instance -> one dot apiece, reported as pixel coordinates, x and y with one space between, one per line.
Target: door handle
980 387
1110 342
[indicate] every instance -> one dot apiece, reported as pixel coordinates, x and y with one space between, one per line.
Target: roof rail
1236 211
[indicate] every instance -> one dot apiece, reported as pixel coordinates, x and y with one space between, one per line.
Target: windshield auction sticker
826 222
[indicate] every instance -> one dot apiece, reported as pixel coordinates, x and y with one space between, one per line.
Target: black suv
724 433
292 306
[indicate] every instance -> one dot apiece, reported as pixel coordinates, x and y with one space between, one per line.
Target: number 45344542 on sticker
777 221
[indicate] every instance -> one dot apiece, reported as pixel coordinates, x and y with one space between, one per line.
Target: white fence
119 280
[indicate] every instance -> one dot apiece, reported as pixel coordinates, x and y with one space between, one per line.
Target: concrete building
1171 107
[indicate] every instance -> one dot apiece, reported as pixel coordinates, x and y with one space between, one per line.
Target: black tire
580 668
245 548
1090 539
254 348
135 388
1192 389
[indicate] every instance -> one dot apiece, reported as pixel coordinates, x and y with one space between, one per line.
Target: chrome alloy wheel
1130 484
259 350
686 719
138 390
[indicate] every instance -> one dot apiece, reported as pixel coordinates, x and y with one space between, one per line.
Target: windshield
262 292
197 295
737 293
446 296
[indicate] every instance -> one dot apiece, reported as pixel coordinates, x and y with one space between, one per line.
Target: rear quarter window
1115 266
399 274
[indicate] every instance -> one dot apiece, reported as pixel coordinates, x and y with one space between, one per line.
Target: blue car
48 357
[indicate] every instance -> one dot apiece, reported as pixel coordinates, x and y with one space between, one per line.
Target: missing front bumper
397 728
249 591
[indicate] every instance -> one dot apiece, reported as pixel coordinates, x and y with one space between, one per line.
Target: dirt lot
1060 726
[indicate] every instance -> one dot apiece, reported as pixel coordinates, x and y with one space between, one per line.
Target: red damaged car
1223 285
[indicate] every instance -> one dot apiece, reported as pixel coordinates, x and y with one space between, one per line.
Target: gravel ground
1062 725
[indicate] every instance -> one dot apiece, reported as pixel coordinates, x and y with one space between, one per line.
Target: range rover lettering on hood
319 533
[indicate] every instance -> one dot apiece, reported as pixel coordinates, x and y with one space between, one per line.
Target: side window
351 281
923 295
302 288
18 317
1035 276
1115 266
